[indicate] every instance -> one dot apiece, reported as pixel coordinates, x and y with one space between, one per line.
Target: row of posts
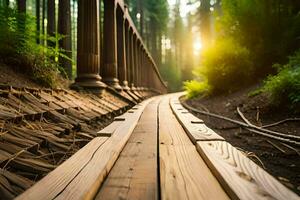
126 63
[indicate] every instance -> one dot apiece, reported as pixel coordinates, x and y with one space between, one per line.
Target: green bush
226 66
284 88
19 49
195 88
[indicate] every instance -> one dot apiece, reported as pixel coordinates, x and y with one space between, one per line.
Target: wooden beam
110 68
196 131
239 176
88 51
81 175
183 173
134 175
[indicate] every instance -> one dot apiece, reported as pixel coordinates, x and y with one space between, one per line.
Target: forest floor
279 160
15 78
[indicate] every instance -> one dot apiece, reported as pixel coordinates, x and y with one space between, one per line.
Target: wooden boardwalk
158 150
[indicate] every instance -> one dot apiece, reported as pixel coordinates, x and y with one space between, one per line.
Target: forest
208 46
222 72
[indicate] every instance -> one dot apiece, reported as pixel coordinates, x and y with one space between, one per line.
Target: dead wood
244 125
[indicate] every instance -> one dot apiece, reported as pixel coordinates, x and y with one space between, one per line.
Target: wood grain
86 184
196 130
240 177
134 175
183 173
51 185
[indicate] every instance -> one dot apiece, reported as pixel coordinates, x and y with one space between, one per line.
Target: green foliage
19 49
195 88
284 88
171 76
226 66
269 29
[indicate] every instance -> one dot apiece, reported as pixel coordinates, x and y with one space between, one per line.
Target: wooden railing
126 62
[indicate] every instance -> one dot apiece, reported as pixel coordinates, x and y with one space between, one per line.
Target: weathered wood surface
194 127
73 179
241 177
183 173
134 175
50 186
40 129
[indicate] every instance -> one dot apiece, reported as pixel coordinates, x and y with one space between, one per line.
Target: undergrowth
196 88
284 87
226 66
18 48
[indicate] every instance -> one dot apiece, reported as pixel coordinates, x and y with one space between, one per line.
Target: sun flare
197 47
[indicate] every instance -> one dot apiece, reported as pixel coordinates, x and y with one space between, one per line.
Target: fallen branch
276 146
292 148
242 124
265 130
274 137
281 122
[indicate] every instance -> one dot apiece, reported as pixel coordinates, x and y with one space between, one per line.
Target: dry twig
254 129
276 146
281 122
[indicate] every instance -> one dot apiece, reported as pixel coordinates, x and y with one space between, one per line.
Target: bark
43 18
21 6
64 28
51 21
38 20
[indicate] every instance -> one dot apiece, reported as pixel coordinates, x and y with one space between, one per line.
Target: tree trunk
38 21
6 3
51 21
43 18
205 25
141 11
21 6
64 28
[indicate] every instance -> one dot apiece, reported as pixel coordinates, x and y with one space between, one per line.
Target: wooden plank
194 127
86 184
51 185
110 129
241 177
81 175
183 173
134 175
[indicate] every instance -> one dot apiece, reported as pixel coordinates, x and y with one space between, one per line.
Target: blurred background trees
218 42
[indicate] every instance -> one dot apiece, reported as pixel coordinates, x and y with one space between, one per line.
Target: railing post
121 49
148 72
110 74
140 50
134 61
88 51
129 55
138 66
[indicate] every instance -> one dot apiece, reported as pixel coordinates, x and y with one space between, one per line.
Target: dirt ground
13 77
277 159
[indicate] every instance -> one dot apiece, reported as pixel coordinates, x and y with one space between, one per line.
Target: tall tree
205 22
64 28
38 20
21 4
43 19
157 17
51 25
